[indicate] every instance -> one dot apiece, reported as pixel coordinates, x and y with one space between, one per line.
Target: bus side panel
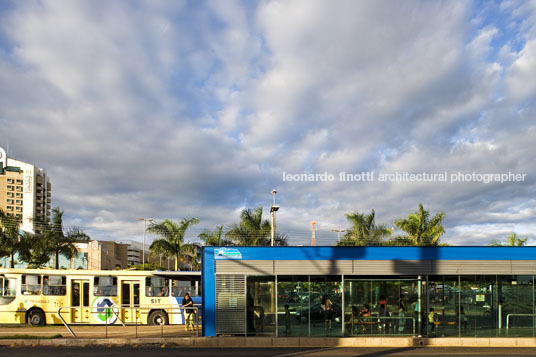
12 313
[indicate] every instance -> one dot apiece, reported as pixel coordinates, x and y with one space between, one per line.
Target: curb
272 342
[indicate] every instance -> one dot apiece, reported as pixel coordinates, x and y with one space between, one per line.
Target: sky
172 109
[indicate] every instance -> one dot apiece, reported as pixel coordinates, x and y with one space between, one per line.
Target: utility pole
145 220
273 210
339 231
313 238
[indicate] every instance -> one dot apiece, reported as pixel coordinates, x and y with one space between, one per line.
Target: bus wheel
158 318
36 317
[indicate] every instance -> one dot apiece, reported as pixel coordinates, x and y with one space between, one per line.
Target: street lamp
339 231
273 210
145 220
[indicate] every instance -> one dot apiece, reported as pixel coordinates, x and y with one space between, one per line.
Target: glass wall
434 306
260 306
381 306
293 305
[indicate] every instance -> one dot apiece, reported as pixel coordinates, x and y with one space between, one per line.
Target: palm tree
215 237
511 241
57 241
253 230
11 238
364 230
171 243
420 229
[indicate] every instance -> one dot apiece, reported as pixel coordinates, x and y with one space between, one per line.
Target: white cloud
171 109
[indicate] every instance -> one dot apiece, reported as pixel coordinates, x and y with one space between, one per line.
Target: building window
9 188
18 209
18 195
19 202
18 215
9 180
19 182
19 188
10 201
9 208
10 194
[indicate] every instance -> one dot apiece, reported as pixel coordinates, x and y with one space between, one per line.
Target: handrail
116 308
508 318
169 309
91 311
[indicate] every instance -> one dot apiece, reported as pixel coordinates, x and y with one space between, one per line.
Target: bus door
80 311
130 301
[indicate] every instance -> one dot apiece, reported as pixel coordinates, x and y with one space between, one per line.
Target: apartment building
25 192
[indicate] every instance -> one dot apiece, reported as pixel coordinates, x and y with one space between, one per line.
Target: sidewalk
267 342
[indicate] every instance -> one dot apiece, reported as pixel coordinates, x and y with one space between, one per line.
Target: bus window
156 286
10 287
54 285
181 287
105 286
31 285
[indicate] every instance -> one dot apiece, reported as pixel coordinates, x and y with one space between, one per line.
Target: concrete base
266 342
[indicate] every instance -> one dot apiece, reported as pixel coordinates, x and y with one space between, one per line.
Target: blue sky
167 109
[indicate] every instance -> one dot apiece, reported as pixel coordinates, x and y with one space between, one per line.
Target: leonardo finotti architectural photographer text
370 176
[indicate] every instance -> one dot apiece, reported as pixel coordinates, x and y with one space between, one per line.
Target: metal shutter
230 304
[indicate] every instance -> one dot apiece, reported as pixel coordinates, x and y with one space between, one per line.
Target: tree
420 229
58 242
171 244
511 241
253 230
12 239
364 230
215 237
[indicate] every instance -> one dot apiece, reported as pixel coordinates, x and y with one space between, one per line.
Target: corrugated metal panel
263 267
230 304
313 267
417 267
376 267
391 267
523 267
482 267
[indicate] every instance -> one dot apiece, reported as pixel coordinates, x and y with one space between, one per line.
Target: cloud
176 109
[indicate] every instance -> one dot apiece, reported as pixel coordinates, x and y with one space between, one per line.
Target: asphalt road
261 352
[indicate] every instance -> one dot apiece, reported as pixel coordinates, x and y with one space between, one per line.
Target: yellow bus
34 296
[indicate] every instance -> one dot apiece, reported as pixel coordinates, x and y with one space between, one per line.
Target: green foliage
511 241
364 230
171 242
215 237
12 239
56 241
253 230
147 266
420 229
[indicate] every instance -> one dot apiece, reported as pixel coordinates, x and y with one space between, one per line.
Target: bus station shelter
407 291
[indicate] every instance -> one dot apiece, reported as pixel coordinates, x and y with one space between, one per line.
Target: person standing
189 312
287 320
328 311
402 318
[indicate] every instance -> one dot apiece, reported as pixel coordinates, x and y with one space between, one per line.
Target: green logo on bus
102 307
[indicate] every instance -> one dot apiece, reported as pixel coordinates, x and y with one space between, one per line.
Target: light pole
273 210
145 220
339 231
